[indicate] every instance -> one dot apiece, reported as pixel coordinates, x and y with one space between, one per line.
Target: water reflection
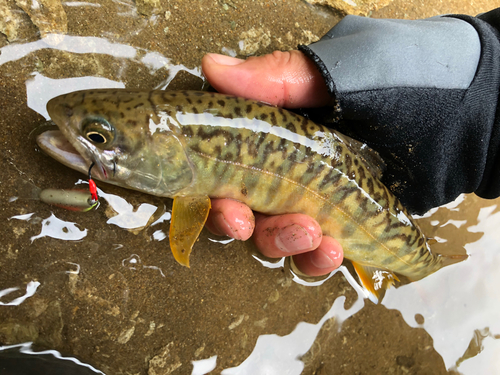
275 354
55 228
125 215
160 235
204 366
31 288
268 264
458 300
480 338
41 89
134 263
67 43
223 242
74 272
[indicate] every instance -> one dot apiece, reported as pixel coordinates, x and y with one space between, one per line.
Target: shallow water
103 286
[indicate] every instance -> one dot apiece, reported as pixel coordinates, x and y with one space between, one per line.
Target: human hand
285 79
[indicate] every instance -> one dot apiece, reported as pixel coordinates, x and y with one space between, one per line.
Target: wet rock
411 350
149 7
357 7
308 37
125 335
13 332
48 15
419 319
237 321
405 361
254 39
165 362
10 20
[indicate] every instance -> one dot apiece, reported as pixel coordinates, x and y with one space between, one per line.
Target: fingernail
225 60
224 228
294 238
320 260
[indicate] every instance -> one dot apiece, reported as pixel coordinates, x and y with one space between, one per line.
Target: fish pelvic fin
189 215
375 280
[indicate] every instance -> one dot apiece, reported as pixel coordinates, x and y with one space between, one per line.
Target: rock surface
48 15
356 7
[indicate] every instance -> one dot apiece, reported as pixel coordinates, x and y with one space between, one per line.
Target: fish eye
96 137
98 131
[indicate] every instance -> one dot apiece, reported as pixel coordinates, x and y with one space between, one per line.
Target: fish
194 146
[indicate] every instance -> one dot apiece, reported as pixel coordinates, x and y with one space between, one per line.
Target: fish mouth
56 145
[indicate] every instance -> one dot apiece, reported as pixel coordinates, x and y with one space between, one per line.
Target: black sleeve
425 95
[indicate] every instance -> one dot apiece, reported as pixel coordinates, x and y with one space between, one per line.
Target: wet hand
286 79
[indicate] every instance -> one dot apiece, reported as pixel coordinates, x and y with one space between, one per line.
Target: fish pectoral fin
189 215
375 280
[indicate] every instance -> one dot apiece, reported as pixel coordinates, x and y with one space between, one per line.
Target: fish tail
452 259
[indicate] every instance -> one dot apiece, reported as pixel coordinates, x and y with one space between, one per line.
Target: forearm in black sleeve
424 94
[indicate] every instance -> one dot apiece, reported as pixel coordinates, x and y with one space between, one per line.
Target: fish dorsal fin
375 280
371 158
189 215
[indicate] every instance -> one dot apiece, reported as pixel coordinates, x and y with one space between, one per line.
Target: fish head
112 129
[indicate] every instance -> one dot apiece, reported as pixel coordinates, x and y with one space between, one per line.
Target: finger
326 258
286 79
284 235
230 218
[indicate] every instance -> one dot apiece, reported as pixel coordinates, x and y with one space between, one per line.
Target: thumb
286 79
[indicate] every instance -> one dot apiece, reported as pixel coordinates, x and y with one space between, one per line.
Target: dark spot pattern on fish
307 168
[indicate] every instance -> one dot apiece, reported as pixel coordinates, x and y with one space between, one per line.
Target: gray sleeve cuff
361 54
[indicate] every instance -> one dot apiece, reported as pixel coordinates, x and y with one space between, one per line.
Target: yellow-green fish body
195 144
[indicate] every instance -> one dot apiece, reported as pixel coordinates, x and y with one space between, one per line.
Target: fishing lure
74 200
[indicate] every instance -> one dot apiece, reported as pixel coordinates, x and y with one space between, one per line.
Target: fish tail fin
375 280
452 259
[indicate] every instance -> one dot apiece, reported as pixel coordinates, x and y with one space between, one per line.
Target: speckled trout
193 146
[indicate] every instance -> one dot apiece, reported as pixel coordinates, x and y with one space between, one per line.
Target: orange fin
431 241
452 259
375 280
189 215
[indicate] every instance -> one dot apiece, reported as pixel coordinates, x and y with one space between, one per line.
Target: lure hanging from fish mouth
73 200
